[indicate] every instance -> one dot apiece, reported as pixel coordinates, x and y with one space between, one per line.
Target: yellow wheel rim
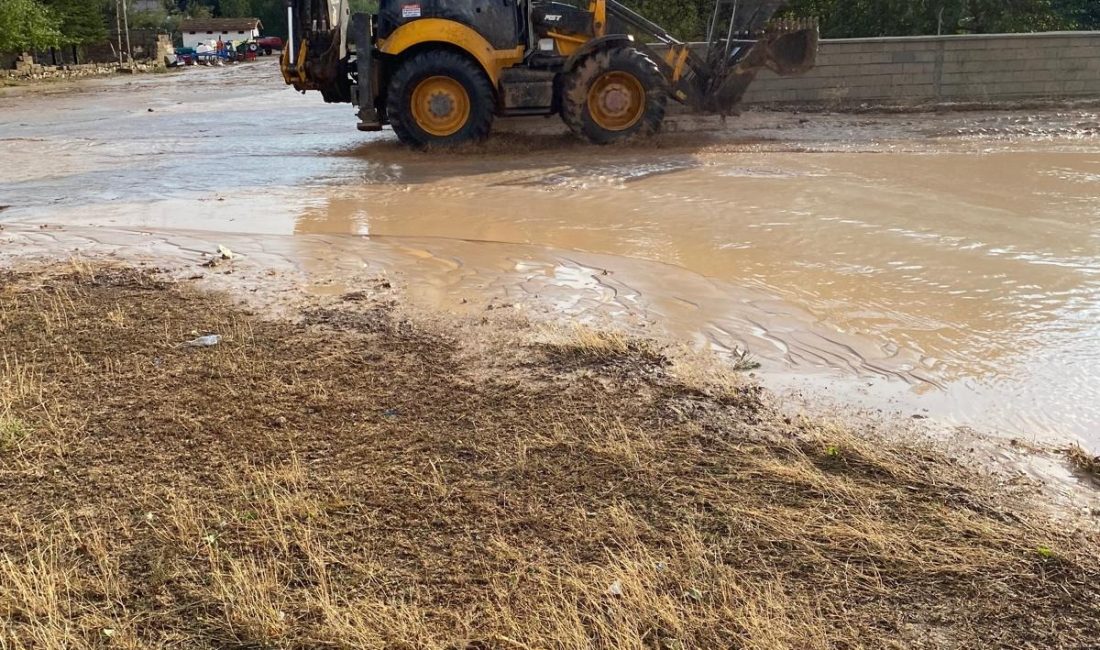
440 106
616 101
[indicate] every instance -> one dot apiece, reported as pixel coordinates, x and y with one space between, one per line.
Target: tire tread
459 67
574 94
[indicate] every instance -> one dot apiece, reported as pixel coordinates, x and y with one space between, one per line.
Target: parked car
185 56
269 43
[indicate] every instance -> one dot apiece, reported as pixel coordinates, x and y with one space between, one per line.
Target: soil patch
353 479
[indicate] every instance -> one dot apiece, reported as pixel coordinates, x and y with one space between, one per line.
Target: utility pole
118 29
126 26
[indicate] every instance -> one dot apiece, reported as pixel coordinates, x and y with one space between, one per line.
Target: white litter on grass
208 341
616 588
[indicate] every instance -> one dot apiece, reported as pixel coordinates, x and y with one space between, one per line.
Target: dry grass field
351 479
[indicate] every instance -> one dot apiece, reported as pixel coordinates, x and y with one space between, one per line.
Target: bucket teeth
789 25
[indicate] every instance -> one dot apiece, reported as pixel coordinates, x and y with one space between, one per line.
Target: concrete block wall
942 69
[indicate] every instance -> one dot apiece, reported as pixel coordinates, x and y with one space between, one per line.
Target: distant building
146 5
204 30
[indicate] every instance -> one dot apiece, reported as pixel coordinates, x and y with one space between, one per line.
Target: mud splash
945 264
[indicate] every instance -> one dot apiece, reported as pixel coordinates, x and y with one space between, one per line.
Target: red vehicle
269 43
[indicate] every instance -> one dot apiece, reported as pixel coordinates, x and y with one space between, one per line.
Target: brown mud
350 478
931 264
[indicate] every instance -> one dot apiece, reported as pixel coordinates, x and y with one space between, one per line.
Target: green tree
235 8
1083 14
198 9
839 18
272 13
27 25
150 19
685 18
855 18
81 22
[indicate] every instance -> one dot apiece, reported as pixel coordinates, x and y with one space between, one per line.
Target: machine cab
501 22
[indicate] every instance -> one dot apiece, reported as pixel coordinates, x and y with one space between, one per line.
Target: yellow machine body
439 71
451 33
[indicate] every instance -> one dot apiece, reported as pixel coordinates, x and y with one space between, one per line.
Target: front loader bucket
789 53
785 52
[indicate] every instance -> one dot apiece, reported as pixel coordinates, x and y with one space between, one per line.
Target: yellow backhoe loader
439 71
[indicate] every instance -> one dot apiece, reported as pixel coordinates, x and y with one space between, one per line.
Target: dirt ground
347 477
939 263
406 438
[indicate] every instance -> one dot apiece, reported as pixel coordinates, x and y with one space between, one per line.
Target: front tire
440 98
614 95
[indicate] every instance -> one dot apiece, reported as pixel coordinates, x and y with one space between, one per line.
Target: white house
204 30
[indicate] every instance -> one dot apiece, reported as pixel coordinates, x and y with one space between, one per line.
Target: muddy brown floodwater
937 264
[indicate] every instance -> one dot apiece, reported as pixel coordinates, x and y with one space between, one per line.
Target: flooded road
932 264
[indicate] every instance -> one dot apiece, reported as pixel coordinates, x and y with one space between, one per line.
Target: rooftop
219 24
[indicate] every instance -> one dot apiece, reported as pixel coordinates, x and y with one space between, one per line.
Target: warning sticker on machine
410 11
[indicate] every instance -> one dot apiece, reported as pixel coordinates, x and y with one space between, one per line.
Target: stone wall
147 44
27 70
150 52
942 69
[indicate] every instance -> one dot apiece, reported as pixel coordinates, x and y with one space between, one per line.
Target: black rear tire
436 65
625 63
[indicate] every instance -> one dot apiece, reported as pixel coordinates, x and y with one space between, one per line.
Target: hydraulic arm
712 76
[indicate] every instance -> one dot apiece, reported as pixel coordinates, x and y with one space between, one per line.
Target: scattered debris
223 255
744 360
616 588
1082 460
208 341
